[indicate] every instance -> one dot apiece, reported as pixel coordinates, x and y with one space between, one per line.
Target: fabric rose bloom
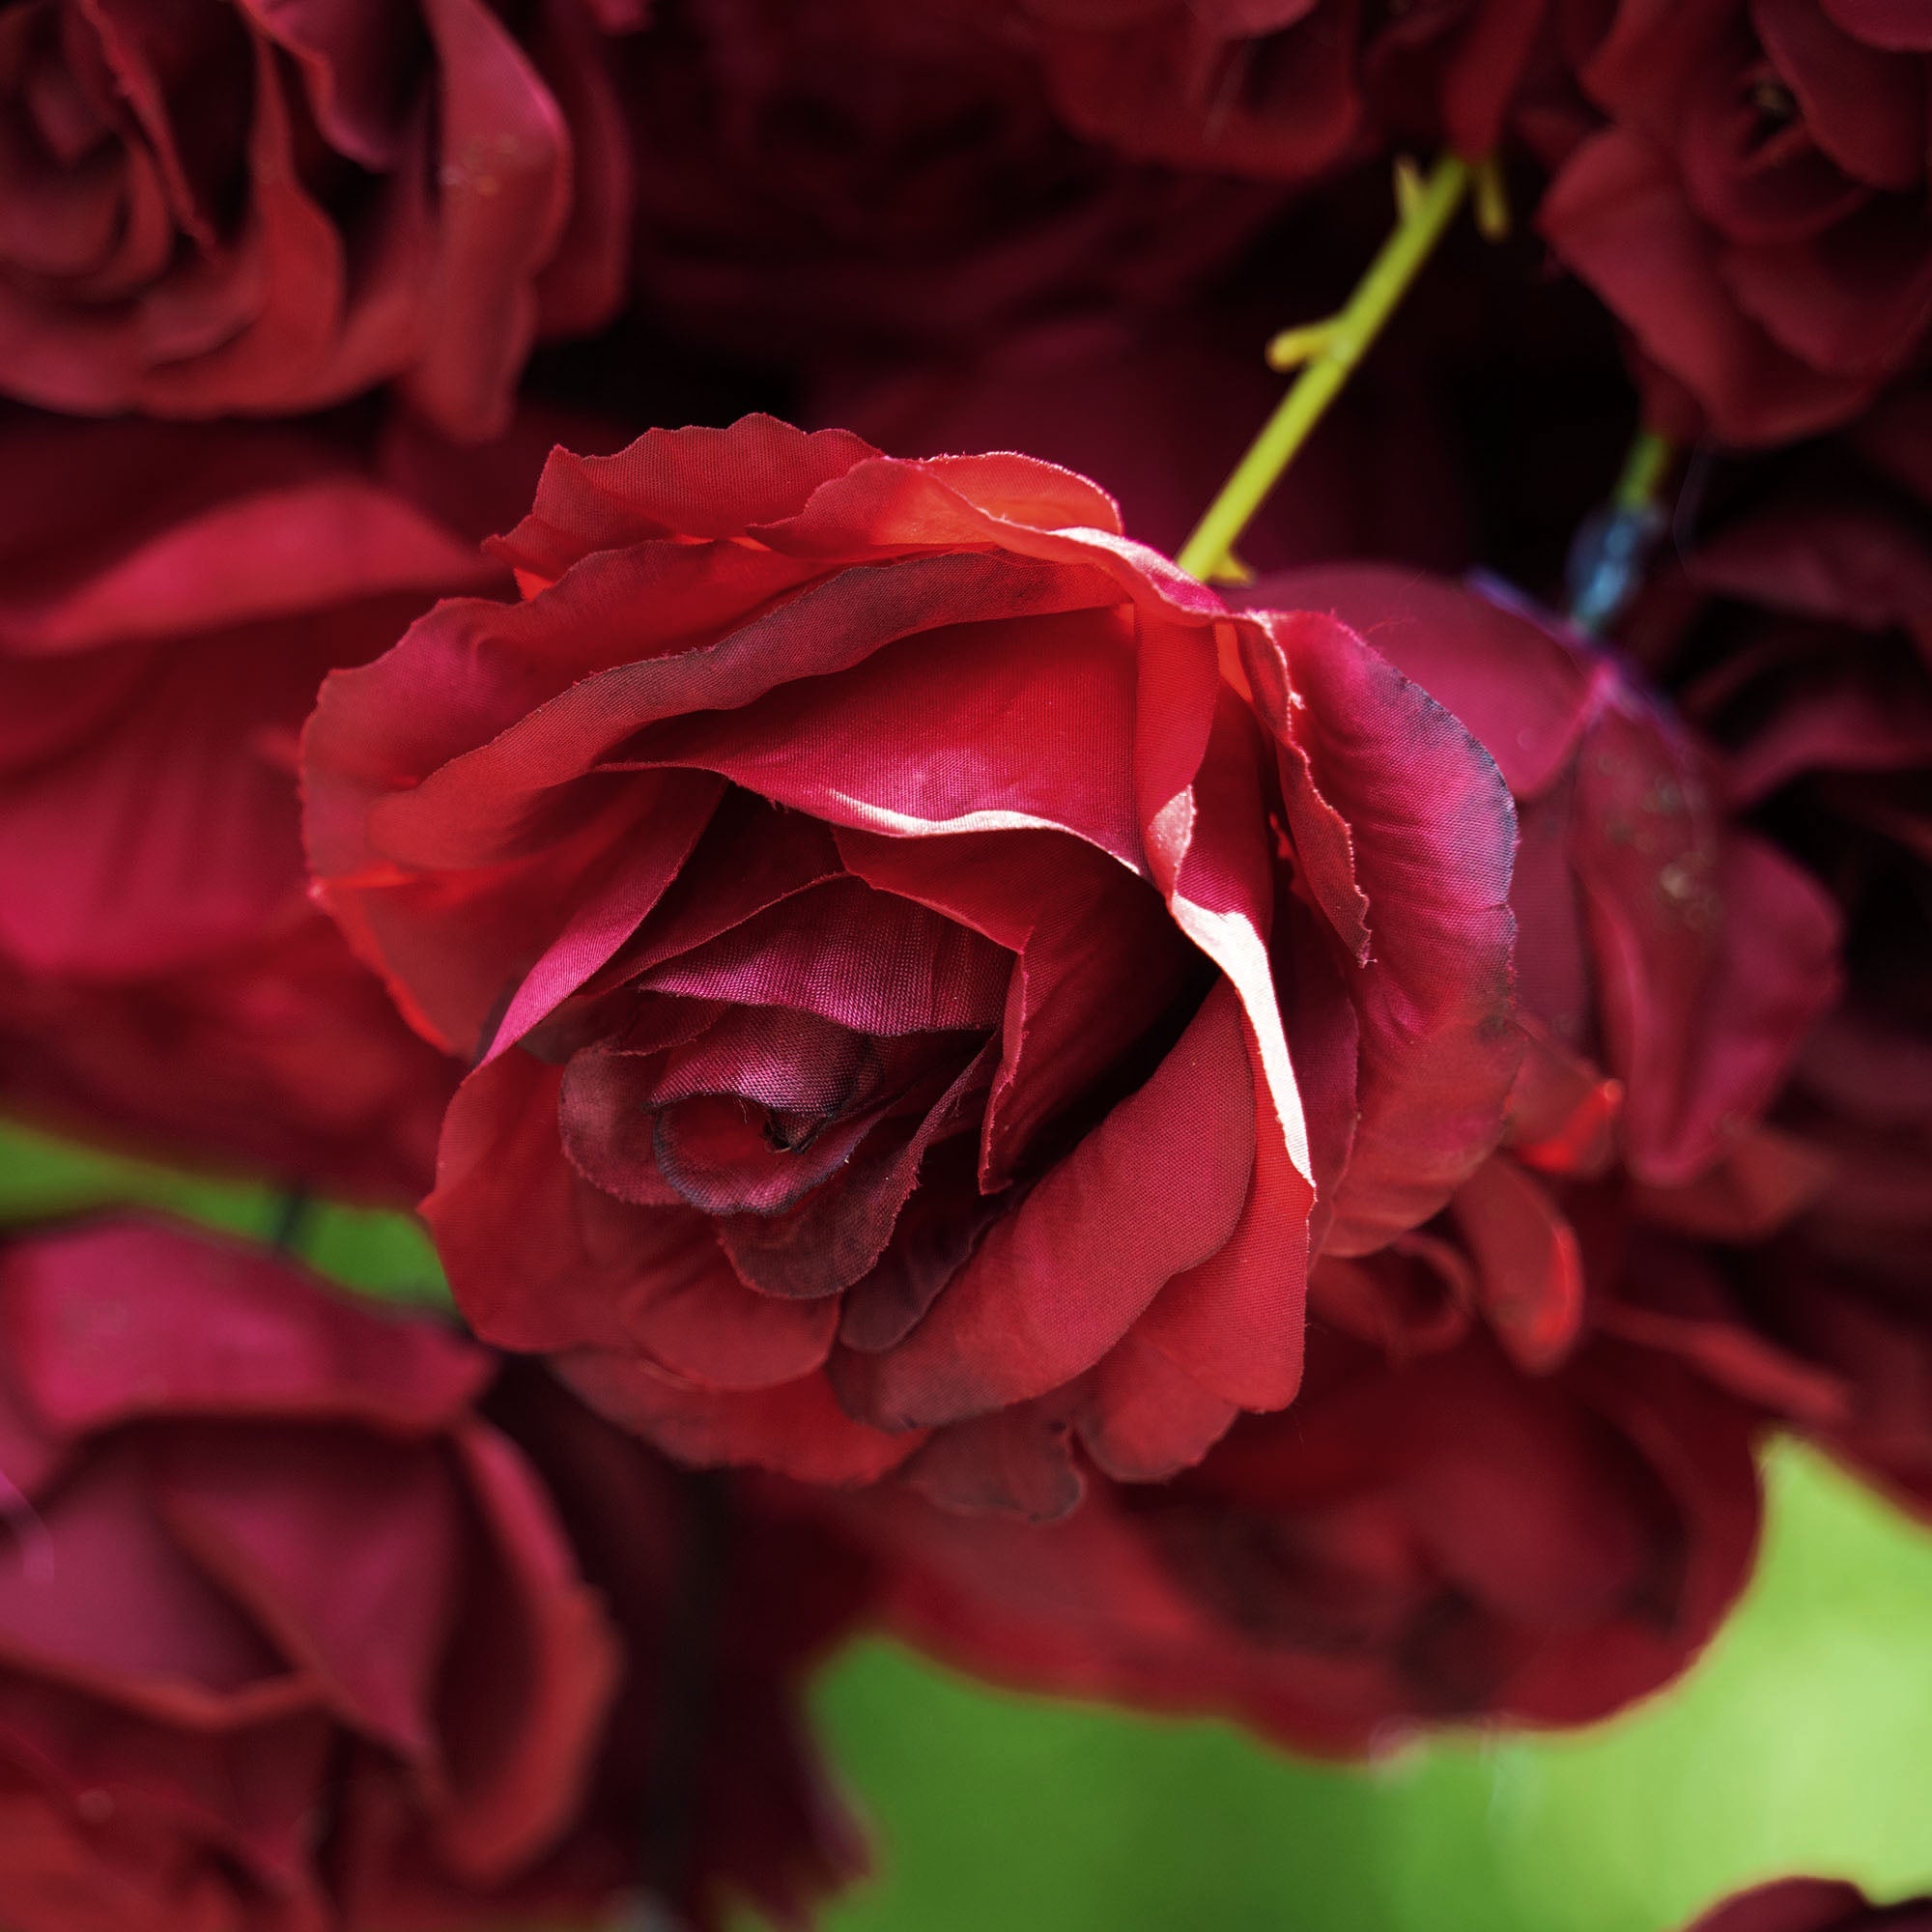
1813 1905
855 882
1670 962
296 1639
1755 211
170 601
1440 1541
216 207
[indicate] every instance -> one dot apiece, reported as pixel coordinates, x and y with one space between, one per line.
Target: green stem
1645 467
1375 299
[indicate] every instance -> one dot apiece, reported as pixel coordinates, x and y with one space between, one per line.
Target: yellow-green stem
1644 469
1355 328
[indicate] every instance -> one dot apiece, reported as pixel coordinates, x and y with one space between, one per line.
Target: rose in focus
217 208
295 1639
933 970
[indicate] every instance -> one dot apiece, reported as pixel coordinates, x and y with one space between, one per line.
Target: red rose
296 1639
856 880
1799 634
291 1639
1282 89
216 207
867 175
1445 1540
1755 211
1658 941
1813 1905
169 601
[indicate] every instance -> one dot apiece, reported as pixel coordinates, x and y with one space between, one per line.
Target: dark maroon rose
1283 90
1813 1905
709 1792
1798 632
1441 1540
293 1638
215 208
862 174
1755 209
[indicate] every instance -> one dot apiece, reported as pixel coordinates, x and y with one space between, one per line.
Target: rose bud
855 882
1754 211
1813 1905
1432 1541
296 1639
217 208
169 602
1796 635
859 175
1282 90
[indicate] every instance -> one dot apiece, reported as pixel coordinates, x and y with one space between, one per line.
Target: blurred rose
297 1640
1799 634
708 1789
1813 1905
1440 1541
856 880
213 207
1282 89
1755 212
169 602
293 1639
859 173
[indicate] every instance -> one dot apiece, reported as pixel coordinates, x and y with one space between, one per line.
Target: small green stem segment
1328 352
1645 467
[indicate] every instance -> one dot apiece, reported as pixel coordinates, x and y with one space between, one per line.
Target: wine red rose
216 207
1670 963
1438 1540
1799 634
1813 1905
172 598
290 1638
1283 89
1754 208
863 886
293 1638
